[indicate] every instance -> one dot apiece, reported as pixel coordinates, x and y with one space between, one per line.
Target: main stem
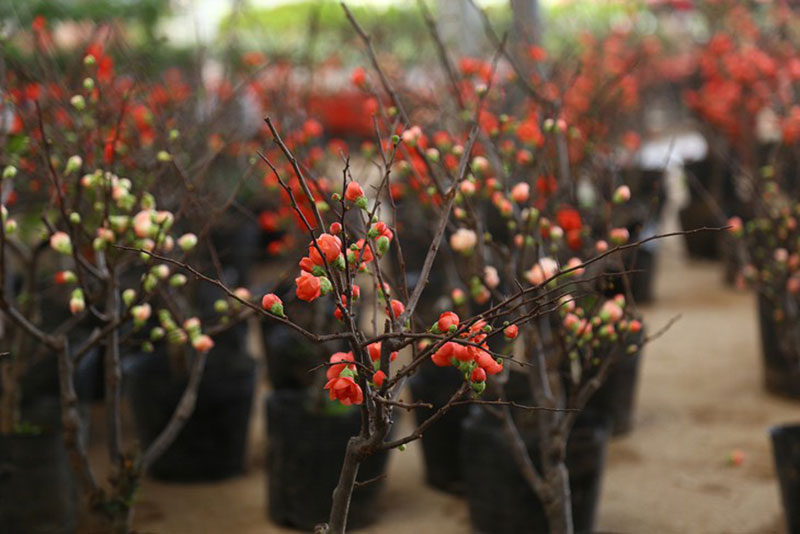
558 505
347 483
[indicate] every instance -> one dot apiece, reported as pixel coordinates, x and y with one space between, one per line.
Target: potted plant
87 164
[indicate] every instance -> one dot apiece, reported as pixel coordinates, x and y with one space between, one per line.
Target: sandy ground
700 397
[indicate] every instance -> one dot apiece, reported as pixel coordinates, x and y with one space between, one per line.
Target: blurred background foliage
161 32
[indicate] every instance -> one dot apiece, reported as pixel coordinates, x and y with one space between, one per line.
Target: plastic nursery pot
440 442
780 351
786 449
616 397
290 356
500 501
212 443
37 491
716 180
643 261
305 451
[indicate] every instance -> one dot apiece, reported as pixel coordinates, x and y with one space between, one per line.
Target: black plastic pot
780 351
440 442
211 445
786 449
37 490
712 177
501 502
642 260
616 397
291 356
305 451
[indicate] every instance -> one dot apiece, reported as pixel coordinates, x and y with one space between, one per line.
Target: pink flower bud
622 194
60 242
619 236
463 241
273 304
520 192
490 277
202 343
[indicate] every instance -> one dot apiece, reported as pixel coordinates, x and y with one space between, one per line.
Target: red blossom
345 390
308 287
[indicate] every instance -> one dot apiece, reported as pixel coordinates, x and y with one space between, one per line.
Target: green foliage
23 12
286 28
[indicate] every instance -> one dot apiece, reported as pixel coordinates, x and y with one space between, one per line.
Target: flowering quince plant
747 70
530 213
768 246
91 161
464 180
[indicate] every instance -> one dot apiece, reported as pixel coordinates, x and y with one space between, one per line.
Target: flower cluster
470 353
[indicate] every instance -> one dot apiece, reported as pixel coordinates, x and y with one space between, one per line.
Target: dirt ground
700 397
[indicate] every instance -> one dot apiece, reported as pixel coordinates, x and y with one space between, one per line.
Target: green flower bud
78 102
221 306
157 333
10 171
325 285
128 296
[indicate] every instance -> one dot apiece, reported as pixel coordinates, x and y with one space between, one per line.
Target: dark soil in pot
786 449
780 345
305 451
212 444
440 442
499 499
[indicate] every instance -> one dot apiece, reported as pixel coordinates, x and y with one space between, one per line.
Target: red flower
39 23
105 69
336 369
478 375
487 363
307 264
574 241
312 128
446 321
108 152
345 390
330 245
569 219
268 221
365 256
450 350
308 287
442 356
358 76
397 308
378 378
511 331
374 350
353 192
546 185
